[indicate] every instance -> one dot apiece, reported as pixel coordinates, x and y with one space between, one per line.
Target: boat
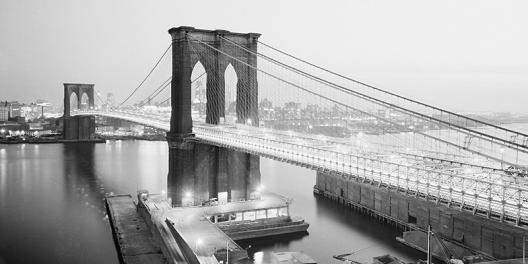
255 218
383 259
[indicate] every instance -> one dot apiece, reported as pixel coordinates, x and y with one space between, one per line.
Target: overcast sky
462 55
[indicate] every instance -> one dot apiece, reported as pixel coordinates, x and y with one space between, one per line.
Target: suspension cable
146 77
501 141
164 101
348 106
166 85
390 93
157 90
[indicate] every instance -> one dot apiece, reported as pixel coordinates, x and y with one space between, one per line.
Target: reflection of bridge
442 157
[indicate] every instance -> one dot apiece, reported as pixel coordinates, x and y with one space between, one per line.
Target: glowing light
248 121
260 188
2 131
188 194
197 243
258 257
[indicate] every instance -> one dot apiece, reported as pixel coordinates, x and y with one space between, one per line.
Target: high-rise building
4 111
15 109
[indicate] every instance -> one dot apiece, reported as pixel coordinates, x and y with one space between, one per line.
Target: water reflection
333 228
53 212
52 204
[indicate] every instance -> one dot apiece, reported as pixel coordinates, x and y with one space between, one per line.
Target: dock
152 231
133 239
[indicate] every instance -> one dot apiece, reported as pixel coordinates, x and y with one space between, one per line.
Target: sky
466 56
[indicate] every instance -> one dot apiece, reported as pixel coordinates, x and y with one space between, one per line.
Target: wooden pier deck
134 241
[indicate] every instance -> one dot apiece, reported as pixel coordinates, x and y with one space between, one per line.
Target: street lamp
258 192
197 244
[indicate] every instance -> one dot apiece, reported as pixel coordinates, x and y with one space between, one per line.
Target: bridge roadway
484 191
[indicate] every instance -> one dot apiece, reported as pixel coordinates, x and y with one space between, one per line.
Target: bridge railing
482 196
151 120
482 192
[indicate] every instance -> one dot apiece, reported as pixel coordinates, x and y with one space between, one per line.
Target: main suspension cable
148 75
390 93
348 106
481 135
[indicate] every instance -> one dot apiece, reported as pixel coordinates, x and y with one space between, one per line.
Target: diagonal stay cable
481 135
348 106
166 85
146 77
393 94
156 91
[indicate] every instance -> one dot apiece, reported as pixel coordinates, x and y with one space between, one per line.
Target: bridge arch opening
199 92
230 102
84 103
74 102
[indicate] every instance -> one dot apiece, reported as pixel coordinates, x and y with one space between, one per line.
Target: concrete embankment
488 236
134 241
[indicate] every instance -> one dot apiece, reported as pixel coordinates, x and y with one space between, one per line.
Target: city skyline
263 132
457 51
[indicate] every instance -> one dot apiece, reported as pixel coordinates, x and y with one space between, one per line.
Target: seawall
489 236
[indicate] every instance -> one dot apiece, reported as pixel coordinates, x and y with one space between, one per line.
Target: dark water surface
52 211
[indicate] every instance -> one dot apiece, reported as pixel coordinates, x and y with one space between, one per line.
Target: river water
52 210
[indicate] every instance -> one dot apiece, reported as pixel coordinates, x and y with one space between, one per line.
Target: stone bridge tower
199 172
78 128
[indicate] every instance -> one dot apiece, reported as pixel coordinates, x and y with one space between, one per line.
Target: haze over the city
455 54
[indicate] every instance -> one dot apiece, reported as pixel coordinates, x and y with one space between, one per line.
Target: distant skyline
468 56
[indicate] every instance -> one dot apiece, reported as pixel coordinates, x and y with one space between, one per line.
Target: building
4 111
15 109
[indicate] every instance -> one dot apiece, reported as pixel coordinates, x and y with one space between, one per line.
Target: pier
133 238
195 234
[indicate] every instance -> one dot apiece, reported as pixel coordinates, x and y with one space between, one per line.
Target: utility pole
429 244
227 252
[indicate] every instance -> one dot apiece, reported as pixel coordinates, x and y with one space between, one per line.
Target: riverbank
50 141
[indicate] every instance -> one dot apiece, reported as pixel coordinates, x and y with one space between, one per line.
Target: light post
260 188
197 244
227 252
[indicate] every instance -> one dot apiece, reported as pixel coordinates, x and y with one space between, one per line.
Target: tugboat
384 259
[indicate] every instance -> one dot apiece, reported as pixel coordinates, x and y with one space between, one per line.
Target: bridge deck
483 189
